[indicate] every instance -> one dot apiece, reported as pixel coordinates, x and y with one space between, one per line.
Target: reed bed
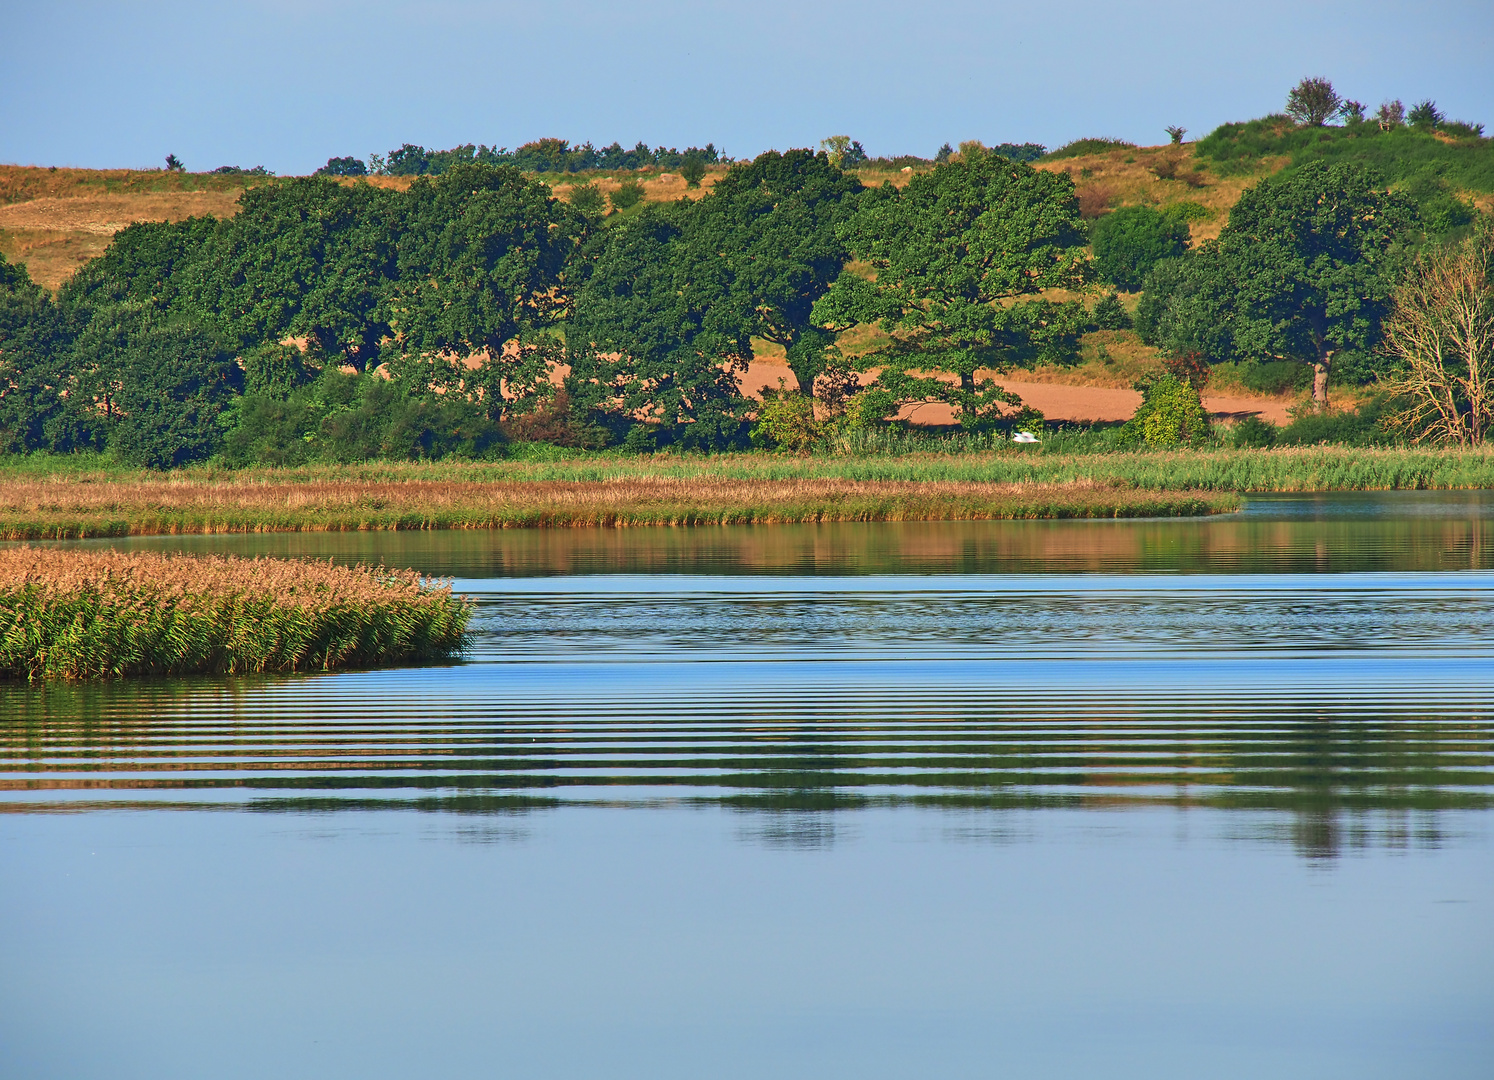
910 457
67 614
63 508
80 498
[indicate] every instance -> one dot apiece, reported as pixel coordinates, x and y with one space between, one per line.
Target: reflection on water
965 799
1358 709
1384 531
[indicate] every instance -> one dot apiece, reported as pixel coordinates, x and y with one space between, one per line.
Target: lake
1135 799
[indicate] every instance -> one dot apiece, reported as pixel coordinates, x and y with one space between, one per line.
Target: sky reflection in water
840 800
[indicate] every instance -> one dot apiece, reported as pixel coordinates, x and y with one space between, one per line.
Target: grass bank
106 614
62 498
471 498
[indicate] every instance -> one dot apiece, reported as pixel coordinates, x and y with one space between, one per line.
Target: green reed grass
683 489
82 615
1315 468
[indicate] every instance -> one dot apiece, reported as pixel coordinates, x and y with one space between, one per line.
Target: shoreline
186 509
61 498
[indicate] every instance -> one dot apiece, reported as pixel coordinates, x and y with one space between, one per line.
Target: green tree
1303 270
1133 239
628 195
1313 102
693 169
35 375
306 258
954 255
482 273
161 265
771 233
653 344
169 385
342 166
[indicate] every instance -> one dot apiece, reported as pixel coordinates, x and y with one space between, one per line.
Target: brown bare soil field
1089 392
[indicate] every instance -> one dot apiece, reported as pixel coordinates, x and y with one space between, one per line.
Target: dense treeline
559 156
341 321
540 156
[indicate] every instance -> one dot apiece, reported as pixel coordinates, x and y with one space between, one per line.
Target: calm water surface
1200 798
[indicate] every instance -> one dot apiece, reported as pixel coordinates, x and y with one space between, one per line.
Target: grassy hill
54 220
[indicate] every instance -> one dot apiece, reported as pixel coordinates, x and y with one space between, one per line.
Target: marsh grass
67 614
622 492
880 476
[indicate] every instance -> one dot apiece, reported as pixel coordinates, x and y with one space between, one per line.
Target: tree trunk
804 386
1320 378
1320 384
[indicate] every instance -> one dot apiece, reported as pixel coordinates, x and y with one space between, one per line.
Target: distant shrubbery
1132 240
540 156
1081 147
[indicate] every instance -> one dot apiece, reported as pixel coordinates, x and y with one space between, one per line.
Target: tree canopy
775 227
1303 270
952 254
1130 241
654 339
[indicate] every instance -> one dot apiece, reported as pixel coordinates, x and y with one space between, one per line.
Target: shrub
640 439
1312 102
1252 433
342 166
271 430
1171 412
1081 147
786 419
1276 376
1425 114
1110 315
587 199
1358 427
1129 242
628 195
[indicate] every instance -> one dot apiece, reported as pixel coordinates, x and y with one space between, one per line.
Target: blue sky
288 83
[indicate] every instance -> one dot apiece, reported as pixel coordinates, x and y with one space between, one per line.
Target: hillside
54 220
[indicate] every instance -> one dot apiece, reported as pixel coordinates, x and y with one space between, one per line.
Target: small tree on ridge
1313 102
